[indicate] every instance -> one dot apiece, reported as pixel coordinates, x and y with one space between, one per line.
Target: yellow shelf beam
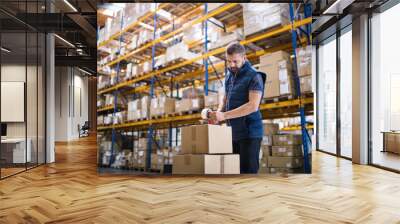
171 118
268 34
296 127
101 109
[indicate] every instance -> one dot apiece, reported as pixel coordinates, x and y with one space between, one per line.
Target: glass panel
41 99
31 97
13 87
385 84
346 94
327 96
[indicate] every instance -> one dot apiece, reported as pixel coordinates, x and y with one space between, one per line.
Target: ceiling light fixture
70 5
64 40
5 49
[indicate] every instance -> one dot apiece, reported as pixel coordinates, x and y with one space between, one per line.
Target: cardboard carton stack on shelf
138 108
206 149
192 100
266 146
179 51
108 119
103 81
195 33
119 117
105 149
140 153
134 108
304 60
260 16
226 38
162 105
278 68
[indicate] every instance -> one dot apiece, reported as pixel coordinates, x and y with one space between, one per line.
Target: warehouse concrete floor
71 191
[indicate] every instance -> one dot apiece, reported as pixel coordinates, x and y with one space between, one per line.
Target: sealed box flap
219 139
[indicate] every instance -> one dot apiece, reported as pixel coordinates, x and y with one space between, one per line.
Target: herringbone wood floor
70 191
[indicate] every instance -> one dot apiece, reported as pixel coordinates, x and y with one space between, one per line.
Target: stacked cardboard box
286 153
261 16
211 100
278 68
122 159
103 81
195 32
108 119
226 38
185 105
133 111
266 146
105 149
162 105
206 149
179 51
304 60
100 119
119 117
157 161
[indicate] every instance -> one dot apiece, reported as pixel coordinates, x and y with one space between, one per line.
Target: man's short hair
235 48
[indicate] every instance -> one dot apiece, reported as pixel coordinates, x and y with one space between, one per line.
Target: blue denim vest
237 94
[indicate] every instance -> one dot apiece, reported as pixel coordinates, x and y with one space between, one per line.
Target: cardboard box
189 104
197 103
293 150
209 139
270 129
211 100
286 139
306 84
258 16
183 105
134 105
274 58
304 60
285 162
267 140
286 87
263 166
265 152
206 164
271 88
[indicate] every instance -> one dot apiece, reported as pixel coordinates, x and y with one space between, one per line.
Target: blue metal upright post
115 94
205 60
150 132
307 168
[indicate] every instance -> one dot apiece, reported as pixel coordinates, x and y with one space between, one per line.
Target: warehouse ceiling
332 15
73 21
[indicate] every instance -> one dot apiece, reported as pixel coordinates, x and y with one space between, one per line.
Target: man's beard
234 70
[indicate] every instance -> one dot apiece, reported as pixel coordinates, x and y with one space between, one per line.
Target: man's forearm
241 111
221 106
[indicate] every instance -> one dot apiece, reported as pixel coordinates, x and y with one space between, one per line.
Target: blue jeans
249 150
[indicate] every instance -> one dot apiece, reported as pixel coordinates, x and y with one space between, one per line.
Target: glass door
326 96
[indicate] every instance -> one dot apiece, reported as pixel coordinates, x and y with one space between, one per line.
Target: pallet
277 99
186 112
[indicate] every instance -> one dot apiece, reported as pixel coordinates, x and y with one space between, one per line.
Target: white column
360 90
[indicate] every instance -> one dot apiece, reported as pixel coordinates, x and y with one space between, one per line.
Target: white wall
71 102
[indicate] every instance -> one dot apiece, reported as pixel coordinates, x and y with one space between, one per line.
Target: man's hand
217 116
